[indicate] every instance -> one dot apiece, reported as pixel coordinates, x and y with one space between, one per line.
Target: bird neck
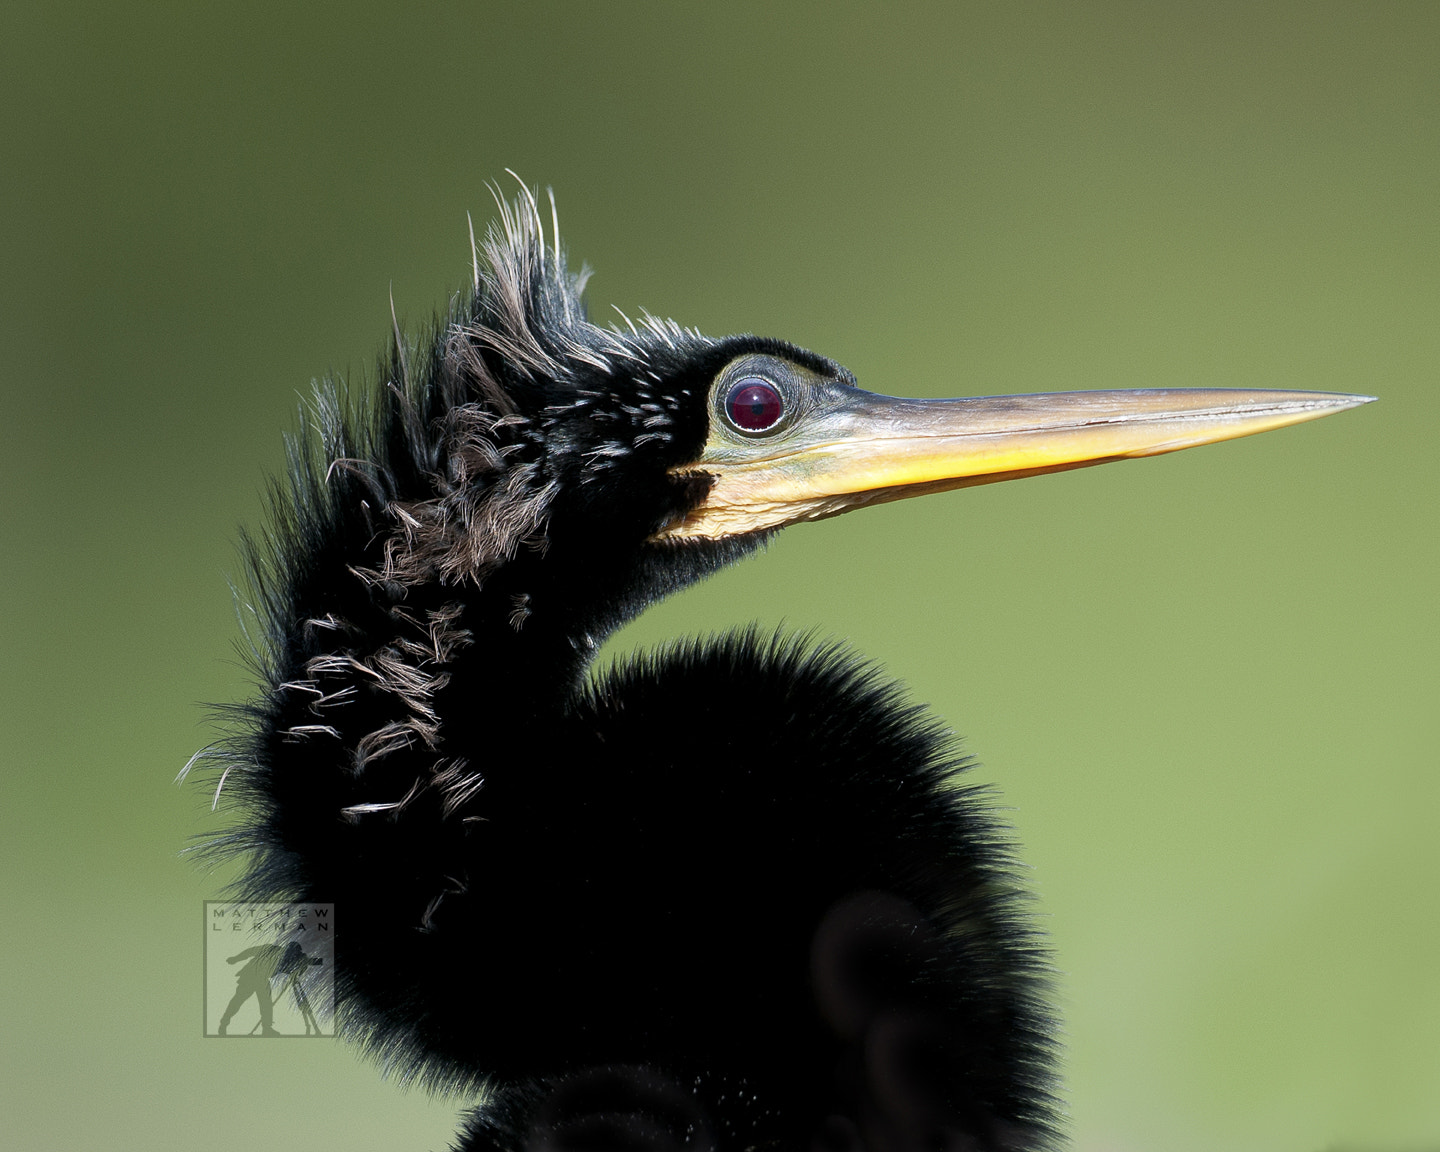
535 625
426 661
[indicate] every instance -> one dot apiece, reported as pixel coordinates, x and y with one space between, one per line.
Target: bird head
649 454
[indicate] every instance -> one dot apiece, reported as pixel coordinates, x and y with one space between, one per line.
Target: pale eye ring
754 404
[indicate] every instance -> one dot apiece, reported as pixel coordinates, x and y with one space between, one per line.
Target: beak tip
1324 403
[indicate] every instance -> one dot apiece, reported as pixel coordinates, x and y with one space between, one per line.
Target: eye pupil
754 405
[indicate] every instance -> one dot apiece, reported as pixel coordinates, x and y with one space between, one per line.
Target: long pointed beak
868 449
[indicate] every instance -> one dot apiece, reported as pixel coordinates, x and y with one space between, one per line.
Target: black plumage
733 894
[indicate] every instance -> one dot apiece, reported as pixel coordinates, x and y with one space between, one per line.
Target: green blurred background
1206 684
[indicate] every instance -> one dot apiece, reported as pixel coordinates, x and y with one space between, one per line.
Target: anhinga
734 894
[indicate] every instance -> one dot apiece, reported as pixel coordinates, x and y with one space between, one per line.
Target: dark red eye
754 405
